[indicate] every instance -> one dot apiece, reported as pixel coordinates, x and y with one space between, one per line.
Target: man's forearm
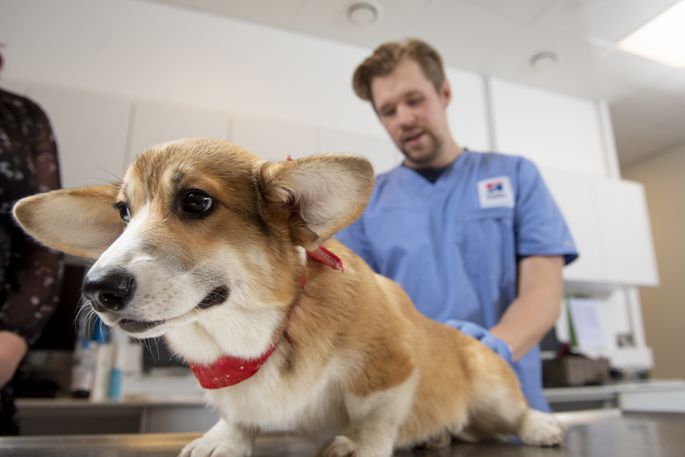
537 307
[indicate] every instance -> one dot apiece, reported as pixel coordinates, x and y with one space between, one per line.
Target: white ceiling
498 37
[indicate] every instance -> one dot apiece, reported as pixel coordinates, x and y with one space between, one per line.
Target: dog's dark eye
196 202
124 212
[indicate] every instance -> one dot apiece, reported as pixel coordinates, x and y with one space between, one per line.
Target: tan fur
354 357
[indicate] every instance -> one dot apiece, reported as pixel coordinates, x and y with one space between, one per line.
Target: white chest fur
270 401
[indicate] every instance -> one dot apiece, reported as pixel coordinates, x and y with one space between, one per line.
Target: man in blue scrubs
474 238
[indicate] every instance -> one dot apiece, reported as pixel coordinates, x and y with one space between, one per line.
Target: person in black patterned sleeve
30 274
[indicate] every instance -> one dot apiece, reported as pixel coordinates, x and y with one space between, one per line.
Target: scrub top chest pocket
485 238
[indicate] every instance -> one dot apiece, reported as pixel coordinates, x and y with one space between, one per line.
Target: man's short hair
387 56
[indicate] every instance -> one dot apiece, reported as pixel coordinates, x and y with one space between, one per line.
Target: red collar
228 370
324 256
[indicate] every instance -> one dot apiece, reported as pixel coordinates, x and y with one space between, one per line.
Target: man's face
413 113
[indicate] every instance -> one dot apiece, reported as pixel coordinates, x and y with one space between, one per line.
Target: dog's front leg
222 440
364 440
375 421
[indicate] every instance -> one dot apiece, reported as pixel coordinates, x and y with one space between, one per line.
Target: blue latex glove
484 336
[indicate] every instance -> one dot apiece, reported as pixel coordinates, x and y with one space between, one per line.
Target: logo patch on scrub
496 193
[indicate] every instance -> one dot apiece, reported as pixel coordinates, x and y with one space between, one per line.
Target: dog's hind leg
500 411
540 429
438 441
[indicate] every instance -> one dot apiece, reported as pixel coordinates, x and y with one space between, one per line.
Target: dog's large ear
321 194
80 222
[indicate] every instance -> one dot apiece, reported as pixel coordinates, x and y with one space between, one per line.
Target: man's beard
424 158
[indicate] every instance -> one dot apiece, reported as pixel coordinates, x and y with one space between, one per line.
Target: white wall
157 52
150 54
147 50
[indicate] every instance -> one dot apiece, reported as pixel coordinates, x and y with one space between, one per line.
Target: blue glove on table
484 336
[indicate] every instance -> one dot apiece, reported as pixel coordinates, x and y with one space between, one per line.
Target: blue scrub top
454 244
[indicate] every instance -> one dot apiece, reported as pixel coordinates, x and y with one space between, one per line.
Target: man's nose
406 116
110 290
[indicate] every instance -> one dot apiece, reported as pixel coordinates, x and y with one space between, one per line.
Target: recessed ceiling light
662 39
363 13
543 60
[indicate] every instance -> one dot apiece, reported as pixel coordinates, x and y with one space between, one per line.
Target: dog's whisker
86 321
80 309
146 345
102 326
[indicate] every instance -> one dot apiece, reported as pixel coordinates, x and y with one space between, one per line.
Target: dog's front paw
212 446
540 429
341 446
222 440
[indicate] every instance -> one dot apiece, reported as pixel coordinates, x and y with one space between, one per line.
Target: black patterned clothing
30 274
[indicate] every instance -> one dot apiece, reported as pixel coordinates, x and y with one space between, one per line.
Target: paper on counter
588 327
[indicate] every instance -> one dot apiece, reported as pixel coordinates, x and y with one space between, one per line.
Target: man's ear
321 194
446 92
81 222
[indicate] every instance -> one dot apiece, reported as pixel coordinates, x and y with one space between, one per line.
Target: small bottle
121 344
83 362
82 369
103 355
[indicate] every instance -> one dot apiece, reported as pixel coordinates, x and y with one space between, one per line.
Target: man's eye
124 212
196 202
387 112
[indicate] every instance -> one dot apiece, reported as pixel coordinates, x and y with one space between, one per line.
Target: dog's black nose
109 291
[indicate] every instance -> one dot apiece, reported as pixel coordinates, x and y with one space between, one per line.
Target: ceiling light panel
662 39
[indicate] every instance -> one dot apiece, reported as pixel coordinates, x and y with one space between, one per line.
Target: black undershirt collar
432 174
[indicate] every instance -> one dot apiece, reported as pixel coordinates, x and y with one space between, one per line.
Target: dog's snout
109 291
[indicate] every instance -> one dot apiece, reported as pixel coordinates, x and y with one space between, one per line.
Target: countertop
554 394
627 435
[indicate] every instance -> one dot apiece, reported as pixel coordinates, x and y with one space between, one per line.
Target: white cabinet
626 233
155 123
655 396
467 113
575 196
272 139
91 132
381 152
610 225
552 129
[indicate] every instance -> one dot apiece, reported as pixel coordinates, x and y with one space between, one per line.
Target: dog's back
455 379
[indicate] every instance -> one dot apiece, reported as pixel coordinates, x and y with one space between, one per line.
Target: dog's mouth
132 326
217 296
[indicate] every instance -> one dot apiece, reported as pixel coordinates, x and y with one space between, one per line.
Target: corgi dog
231 259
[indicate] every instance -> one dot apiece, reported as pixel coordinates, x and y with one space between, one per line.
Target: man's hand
12 349
481 334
